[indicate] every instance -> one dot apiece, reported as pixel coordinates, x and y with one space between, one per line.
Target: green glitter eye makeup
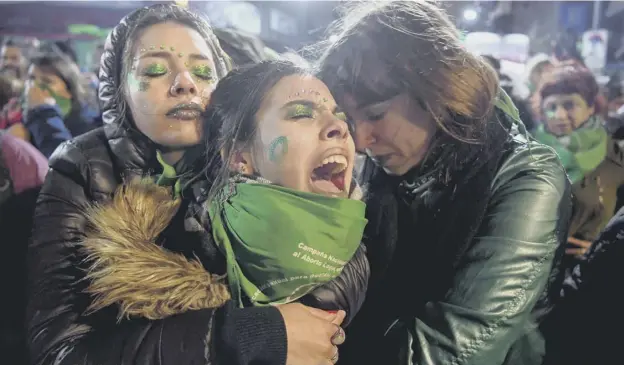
204 72
154 69
341 115
298 111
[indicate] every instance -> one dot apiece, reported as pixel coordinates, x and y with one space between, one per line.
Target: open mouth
329 176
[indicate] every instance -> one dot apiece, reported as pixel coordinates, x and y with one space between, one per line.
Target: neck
172 157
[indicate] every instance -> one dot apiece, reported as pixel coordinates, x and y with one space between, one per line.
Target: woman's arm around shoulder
504 273
60 333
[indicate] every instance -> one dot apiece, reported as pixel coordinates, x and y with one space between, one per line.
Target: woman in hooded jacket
159 68
467 216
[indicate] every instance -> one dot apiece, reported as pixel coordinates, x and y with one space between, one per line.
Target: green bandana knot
65 104
169 176
280 243
581 151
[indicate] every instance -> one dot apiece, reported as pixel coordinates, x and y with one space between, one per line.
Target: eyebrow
165 54
309 104
370 104
559 99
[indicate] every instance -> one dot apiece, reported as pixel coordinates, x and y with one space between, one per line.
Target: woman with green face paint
283 210
159 68
57 106
569 102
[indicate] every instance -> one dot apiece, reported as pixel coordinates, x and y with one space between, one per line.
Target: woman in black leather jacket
155 51
467 217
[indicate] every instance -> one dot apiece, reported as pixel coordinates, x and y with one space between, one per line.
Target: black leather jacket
590 310
481 301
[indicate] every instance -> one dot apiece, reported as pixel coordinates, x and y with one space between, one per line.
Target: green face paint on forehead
303 92
278 148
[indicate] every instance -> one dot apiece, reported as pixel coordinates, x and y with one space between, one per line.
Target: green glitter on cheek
278 148
143 86
135 84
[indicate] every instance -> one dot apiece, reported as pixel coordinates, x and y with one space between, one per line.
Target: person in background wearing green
56 104
573 126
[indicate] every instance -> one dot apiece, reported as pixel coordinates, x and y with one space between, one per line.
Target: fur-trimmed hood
128 267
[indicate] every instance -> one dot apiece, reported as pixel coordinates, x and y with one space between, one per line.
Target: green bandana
581 151
63 103
280 243
169 176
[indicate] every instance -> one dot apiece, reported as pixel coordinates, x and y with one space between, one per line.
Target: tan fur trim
129 269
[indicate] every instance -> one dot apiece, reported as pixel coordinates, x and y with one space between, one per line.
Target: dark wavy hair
570 77
383 49
230 120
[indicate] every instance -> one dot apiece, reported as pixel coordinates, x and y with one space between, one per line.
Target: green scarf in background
63 103
280 243
581 151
